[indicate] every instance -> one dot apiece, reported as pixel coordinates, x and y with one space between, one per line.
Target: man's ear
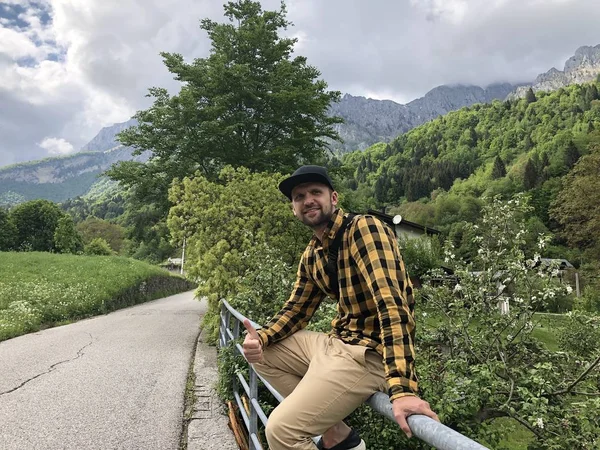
334 198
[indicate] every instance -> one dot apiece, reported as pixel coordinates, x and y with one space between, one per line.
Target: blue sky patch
12 12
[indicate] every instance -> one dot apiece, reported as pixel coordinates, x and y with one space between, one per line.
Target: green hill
457 152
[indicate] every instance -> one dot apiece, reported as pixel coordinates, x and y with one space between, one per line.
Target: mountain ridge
367 121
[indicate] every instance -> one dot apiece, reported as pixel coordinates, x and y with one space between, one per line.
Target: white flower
457 288
569 289
539 423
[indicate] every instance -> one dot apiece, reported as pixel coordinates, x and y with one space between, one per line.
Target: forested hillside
436 173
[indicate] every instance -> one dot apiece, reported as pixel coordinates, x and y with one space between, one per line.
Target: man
324 377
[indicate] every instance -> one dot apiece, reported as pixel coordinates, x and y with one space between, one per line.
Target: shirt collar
334 223
332 227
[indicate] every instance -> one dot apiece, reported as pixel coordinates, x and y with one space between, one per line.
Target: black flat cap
305 174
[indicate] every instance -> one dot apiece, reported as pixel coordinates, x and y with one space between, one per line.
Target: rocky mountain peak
582 67
584 57
106 137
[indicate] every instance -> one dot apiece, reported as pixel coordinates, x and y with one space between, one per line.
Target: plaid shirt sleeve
296 312
375 251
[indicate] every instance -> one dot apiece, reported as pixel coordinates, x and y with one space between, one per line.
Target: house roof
402 221
560 263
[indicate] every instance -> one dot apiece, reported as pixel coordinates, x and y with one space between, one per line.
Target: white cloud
92 63
449 10
56 146
16 45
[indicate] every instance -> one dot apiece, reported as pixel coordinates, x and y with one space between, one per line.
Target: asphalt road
111 382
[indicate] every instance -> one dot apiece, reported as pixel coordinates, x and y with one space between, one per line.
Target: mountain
58 178
106 139
582 67
367 121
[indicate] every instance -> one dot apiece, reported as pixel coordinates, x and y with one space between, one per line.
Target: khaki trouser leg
323 380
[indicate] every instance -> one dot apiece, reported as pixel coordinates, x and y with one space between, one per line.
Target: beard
320 218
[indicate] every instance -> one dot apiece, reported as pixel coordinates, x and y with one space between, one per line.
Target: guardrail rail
428 430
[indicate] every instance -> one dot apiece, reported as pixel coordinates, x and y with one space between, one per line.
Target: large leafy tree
577 206
66 238
231 227
8 231
249 103
36 222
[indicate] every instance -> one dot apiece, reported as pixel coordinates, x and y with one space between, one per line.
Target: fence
428 430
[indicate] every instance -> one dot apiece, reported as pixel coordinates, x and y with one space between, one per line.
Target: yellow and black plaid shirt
375 305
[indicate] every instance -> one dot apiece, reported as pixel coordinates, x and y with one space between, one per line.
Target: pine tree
530 176
571 155
499 169
530 96
528 143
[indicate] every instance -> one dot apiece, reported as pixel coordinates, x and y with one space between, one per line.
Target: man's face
314 204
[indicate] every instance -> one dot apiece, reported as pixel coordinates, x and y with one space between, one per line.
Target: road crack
52 367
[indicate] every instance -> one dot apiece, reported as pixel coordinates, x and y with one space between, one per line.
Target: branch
579 379
589 394
526 425
489 413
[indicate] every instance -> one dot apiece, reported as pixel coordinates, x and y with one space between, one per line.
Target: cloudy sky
70 67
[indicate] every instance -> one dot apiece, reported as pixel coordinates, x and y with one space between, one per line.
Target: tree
93 227
66 237
499 169
225 223
8 231
571 155
249 103
577 206
36 222
477 365
530 96
530 175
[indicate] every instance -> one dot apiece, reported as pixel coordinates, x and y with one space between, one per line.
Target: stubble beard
320 220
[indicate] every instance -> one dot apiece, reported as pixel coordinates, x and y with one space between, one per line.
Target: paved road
111 382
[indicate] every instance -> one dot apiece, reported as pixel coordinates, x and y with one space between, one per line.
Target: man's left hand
407 406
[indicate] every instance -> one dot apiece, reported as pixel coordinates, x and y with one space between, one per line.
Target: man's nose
308 200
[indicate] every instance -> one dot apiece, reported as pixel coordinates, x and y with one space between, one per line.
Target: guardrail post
253 414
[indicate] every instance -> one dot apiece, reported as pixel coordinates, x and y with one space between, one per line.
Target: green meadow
39 290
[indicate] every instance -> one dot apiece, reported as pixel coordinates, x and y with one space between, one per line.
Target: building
404 227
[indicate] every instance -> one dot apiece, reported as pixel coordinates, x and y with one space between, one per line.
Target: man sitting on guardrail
324 377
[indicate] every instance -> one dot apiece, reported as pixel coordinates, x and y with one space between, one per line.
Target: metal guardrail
428 430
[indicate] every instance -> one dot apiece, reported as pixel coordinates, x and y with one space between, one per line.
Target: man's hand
252 345
407 406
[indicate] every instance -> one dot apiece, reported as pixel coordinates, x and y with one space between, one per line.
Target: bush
580 335
98 246
420 255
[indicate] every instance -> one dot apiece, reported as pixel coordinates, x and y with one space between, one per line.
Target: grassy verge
38 290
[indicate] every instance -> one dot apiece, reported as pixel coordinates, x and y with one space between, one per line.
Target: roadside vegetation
39 290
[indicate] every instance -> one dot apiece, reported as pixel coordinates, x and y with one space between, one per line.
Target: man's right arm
296 312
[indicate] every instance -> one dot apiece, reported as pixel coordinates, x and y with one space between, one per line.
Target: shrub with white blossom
478 364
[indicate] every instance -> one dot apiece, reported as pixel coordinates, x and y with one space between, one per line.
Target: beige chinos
322 379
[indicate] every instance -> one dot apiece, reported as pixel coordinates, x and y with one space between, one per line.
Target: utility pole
182 257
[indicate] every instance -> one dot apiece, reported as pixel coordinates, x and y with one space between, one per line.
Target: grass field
42 289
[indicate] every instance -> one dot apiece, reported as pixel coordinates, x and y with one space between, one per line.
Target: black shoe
352 442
